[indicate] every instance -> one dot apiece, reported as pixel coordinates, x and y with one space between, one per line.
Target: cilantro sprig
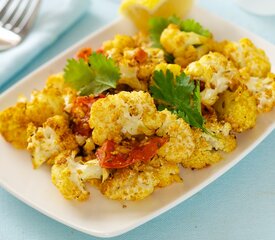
158 24
179 95
94 77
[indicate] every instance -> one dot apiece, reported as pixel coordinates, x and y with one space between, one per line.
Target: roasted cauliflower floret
174 68
166 172
203 155
70 175
140 180
217 74
186 47
221 137
89 146
247 57
114 48
136 62
129 184
53 100
57 82
123 115
264 91
180 144
44 104
44 143
137 66
13 125
238 108
208 146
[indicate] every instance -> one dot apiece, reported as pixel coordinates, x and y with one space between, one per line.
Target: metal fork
16 19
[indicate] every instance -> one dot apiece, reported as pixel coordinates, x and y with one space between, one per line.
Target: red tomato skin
84 53
110 158
141 56
100 50
80 114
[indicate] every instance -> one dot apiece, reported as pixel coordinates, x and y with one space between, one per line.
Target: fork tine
10 11
3 6
29 14
18 14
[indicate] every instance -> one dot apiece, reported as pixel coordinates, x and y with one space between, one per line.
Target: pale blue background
239 205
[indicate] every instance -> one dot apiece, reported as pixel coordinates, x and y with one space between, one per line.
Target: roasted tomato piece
141 56
84 53
112 155
80 114
100 50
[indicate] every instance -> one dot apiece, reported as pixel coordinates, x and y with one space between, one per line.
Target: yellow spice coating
217 74
203 154
140 180
208 146
50 100
13 125
119 43
247 57
43 104
174 68
45 142
222 137
136 63
180 144
67 181
238 108
123 115
264 91
186 47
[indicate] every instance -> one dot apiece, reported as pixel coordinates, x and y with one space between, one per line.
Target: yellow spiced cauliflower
45 142
136 62
264 91
238 108
247 57
43 104
140 180
123 115
69 175
174 68
209 145
50 99
203 155
114 48
180 144
137 66
186 47
13 125
216 73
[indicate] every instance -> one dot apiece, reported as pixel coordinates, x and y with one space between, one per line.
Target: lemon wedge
140 11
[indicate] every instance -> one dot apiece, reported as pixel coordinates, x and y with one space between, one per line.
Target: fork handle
8 39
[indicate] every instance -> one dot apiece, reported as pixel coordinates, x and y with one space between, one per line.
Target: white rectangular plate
34 187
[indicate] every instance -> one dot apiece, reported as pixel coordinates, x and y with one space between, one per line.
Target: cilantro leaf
158 24
93 78
179 95
190 25
156 27
78 74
